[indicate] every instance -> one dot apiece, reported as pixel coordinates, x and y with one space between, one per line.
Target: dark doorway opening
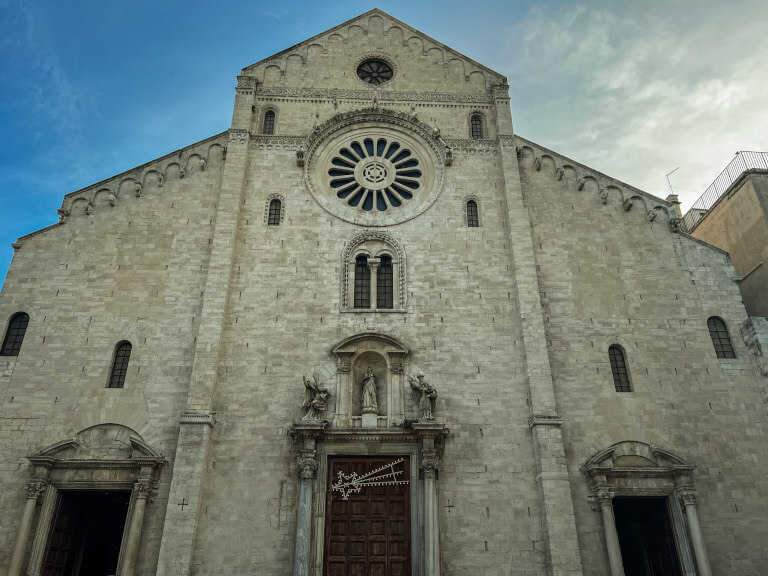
86 534
646 537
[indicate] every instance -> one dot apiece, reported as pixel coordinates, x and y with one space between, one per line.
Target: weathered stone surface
510 320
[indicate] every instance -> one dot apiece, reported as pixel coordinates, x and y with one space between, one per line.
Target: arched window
14 336
274 213
718 331
473 221
619 369
269 122
120 364
476 126
385 284
362 282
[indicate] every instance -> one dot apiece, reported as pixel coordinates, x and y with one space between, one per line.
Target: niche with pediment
370 367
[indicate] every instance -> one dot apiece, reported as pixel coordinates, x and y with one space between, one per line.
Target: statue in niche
427 393
368 401
316 398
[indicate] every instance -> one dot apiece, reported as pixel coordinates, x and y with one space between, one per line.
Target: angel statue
426 393
316 398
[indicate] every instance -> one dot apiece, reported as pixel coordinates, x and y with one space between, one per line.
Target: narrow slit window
269 122
275 206
721 340
120 365
362 283
385 284
14 336
619 369
472 219
476 127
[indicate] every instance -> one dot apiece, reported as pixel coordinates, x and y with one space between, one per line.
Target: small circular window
374 72
376 174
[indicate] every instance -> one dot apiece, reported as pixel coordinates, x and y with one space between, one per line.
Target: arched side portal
102 459
636 474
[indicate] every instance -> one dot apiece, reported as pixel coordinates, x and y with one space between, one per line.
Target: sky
89 89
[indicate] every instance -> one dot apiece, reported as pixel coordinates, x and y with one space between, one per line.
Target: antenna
670 191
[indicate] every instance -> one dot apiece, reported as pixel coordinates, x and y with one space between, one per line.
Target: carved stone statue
427 394
368 401
316 398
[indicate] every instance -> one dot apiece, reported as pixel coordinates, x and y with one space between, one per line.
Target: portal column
429 463
141 492
307 436
34 491
687 496
605 497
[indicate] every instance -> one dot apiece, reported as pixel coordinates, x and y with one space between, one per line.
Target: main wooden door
369 532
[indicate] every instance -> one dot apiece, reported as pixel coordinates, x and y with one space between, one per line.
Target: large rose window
375 174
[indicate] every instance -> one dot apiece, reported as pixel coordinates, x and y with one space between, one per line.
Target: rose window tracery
378 174
375 72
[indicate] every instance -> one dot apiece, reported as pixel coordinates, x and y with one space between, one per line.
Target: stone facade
510 320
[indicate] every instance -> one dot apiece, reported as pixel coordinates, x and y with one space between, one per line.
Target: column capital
142 488
373 263
307 464
687 495
604 495
430 462
35 489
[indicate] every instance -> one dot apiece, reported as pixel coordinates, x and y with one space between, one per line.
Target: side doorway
86 533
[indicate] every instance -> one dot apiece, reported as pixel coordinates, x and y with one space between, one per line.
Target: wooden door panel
369 533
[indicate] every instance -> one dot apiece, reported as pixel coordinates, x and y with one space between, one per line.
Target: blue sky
89 89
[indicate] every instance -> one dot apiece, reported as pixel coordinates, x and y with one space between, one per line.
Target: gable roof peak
364 16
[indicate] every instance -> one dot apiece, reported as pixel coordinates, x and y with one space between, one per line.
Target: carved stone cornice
465 145
284 140
238 136
35 489
544 420
363 94
247 83
198 418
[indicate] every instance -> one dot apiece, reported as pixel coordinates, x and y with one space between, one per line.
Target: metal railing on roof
743 161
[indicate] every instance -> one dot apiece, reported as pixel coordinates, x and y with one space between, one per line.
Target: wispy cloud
637 91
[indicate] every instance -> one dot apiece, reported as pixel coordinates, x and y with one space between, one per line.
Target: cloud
636 91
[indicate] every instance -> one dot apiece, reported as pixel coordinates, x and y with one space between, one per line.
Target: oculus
375 174
374 72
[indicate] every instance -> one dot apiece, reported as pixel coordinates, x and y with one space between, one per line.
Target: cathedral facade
369 330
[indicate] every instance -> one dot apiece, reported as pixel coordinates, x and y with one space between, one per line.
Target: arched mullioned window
362 282
269 122
385 287
275 206
721 340
476 127
619 369
120 364
473 220
14 336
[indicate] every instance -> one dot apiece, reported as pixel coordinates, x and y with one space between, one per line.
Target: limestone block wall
120 266
329 60
612 275
463 330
